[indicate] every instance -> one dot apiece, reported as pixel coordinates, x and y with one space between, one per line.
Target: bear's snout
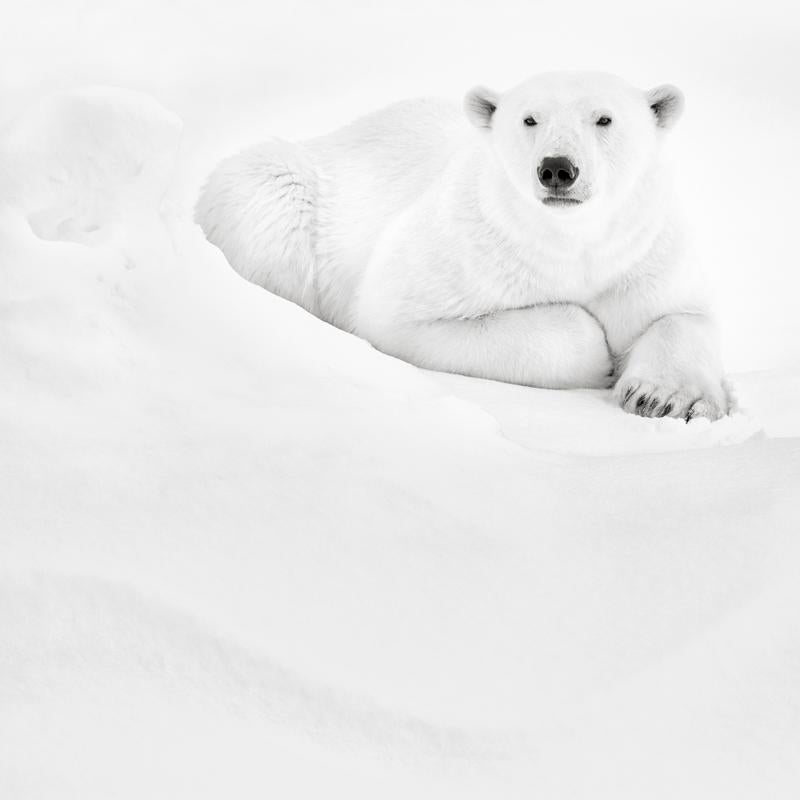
557 172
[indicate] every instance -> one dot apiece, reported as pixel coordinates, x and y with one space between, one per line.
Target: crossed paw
682 400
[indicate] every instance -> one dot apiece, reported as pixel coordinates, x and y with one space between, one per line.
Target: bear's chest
508 276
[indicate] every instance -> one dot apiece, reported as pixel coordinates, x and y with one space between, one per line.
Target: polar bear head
575 140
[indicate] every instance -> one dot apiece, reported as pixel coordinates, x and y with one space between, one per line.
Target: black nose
557 172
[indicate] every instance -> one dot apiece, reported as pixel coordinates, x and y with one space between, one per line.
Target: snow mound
85 160
243 552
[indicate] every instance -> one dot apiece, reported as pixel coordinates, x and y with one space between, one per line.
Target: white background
236 71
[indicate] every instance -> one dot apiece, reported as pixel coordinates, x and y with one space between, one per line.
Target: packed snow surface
244 554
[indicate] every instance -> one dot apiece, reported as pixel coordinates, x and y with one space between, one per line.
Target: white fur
428 237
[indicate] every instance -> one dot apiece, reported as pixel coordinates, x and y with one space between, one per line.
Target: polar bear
540 245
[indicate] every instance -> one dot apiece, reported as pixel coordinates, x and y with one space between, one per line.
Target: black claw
689 415
641 401
653 403
628 394
666 410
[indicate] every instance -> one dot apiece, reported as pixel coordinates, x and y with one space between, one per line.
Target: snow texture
243 554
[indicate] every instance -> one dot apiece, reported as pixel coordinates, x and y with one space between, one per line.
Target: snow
244 554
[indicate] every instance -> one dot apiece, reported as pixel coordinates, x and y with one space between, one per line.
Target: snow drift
244 554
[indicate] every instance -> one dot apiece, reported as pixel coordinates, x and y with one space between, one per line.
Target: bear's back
369 172
398 146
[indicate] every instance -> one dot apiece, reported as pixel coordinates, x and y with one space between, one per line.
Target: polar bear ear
480 104
667 103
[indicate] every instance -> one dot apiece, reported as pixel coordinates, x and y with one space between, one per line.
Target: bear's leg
556 346
259 208
674 370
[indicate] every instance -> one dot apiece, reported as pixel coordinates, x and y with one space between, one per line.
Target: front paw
682 399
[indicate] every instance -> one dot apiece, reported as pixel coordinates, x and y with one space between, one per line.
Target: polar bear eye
604 121
529 121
